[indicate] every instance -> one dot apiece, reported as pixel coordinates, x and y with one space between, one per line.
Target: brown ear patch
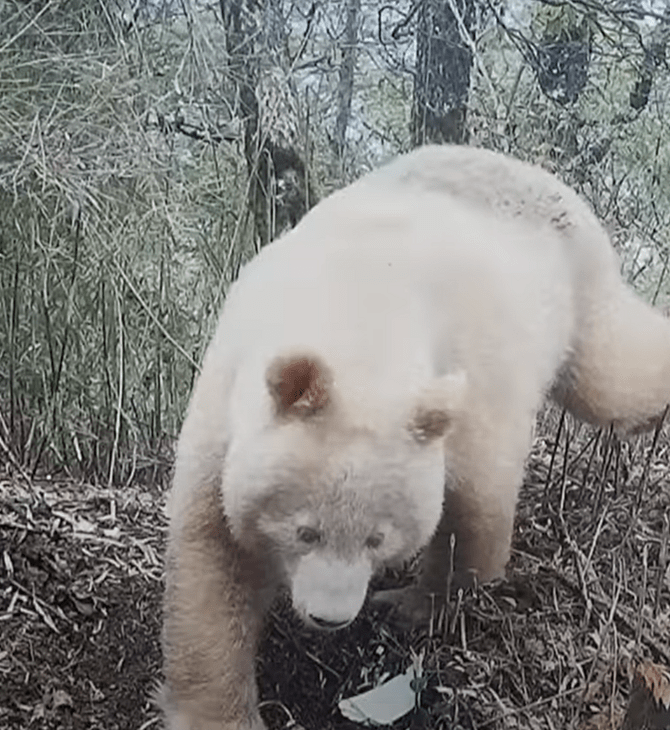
429 424
299 386
437 407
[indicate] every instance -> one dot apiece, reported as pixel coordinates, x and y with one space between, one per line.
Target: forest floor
554 646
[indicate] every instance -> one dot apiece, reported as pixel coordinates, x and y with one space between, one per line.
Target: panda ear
300 386
438 406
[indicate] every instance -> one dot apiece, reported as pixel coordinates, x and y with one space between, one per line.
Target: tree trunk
563 69
654 58
442 74
279 192
346 84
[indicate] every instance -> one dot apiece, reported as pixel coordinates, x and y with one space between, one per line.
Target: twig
662 562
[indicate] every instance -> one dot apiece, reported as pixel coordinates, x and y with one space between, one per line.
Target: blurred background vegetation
149 148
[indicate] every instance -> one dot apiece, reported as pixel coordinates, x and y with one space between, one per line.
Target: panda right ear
438 407
300 386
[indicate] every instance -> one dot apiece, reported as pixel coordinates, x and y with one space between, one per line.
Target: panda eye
309 535
374 541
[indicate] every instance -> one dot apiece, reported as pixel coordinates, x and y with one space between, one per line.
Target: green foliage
615 156
116 246
560 23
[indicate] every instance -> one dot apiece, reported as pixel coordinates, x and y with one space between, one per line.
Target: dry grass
588 596
118 238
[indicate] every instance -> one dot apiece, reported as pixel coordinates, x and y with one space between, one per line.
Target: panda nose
324 623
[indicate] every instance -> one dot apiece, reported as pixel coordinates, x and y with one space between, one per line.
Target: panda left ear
300 386
438 406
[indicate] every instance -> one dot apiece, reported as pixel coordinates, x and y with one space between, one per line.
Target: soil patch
554 646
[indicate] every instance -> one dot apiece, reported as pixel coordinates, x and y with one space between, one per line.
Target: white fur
327 592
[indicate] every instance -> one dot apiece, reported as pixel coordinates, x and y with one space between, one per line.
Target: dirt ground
554 646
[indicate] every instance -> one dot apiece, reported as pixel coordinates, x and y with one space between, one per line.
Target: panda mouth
324 624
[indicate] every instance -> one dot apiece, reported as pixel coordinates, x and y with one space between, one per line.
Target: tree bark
279 192
345 86
654 58
563 69
442 74
563 56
